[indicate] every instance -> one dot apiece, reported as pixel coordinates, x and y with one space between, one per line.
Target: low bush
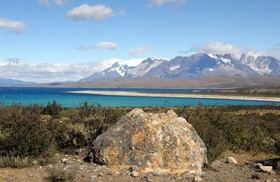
16 162
61 175
35 133
98 119
23 136
53 109
221 130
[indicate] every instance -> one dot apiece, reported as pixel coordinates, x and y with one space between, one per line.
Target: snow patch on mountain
213 56
173 68
118 68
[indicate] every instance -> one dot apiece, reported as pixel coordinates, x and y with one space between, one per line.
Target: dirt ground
220 171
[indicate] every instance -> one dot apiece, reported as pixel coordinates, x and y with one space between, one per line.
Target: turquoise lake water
27 96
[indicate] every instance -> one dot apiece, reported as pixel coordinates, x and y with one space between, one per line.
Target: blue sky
91 31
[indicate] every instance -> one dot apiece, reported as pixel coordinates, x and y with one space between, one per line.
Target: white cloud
87 12
100 45
60 2
86 47
135 52
129 62
235 50
220 48
44 73
107 45
161 2
16 26
56 2
225 48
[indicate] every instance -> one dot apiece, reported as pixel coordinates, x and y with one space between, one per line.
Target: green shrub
223 131
98 119
53 109
24 136
68 136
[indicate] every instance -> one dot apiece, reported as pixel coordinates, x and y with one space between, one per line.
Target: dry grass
61 175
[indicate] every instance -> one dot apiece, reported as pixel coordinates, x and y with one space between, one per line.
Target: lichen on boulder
160 142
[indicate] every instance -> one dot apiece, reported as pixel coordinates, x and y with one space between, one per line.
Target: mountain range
6 82
198 70
191 67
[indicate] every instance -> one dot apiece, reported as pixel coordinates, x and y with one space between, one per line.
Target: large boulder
162 142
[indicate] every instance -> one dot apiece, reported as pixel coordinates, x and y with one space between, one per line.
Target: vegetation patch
61 175
33 134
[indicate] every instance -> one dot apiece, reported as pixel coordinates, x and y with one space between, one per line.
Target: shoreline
175 95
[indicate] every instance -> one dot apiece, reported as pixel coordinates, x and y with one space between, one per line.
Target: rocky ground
220 170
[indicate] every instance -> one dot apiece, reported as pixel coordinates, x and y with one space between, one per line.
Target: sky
59 40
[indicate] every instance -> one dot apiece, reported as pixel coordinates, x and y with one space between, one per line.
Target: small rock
30 175
88 159
255 176
100 175
134 174
197 179
268 180
79 151
156 173
134 168
75 143
232 160
34 162
187 176
64 161
267 169
113 172
93 178
180 178
147 179
81 167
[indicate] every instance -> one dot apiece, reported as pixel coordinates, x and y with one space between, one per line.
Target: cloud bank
45 73
15 26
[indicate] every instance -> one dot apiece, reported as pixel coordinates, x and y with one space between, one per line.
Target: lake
27 96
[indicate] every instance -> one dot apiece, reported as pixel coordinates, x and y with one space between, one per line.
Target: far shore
175 95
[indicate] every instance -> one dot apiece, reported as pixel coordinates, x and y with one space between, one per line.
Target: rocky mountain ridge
194 66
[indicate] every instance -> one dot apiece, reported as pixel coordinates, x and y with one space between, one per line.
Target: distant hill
6 82
202 82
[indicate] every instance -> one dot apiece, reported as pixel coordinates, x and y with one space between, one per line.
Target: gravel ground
81 171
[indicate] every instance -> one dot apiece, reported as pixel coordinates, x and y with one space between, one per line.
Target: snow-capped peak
214 56
144 67
117 67
222 58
